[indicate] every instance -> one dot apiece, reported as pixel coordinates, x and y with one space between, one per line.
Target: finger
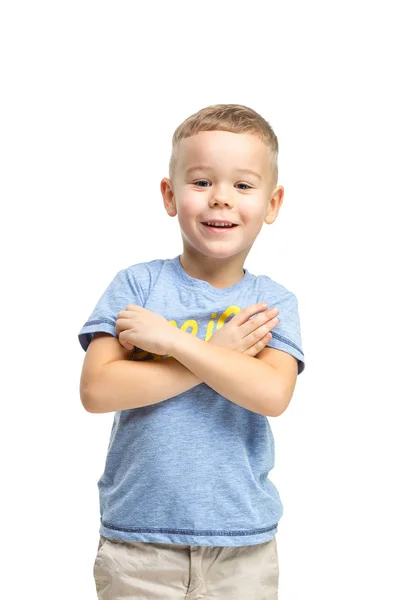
124 314
265 318
126 345
133 307
122 325
255 335
258 346
247 312
266 338
123 339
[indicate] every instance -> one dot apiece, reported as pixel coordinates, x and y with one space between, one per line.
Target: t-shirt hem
182 537
281 343
91 327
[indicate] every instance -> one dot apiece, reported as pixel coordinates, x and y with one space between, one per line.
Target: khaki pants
150 571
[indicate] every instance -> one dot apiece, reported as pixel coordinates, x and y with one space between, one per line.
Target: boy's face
211 182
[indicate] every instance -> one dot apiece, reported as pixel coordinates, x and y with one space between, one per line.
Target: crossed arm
256 383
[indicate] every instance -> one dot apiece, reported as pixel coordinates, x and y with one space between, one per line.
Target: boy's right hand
245 335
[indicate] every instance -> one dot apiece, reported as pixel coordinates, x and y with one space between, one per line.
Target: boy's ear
274 204
166 187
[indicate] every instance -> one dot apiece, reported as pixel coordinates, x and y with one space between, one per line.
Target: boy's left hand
138 326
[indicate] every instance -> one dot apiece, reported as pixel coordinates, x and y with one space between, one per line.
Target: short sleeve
124 289
286 335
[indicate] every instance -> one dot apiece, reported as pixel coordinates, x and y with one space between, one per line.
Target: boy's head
224 165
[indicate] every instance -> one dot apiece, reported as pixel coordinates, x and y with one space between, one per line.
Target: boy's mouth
220 228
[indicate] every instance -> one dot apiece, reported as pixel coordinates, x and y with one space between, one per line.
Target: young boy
181 350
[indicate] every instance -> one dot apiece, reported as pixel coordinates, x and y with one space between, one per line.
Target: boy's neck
219 274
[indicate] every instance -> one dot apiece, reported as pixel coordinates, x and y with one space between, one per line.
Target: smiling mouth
220 228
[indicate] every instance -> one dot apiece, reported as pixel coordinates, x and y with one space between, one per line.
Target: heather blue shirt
193 469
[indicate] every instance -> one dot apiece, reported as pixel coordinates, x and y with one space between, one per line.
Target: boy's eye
201 181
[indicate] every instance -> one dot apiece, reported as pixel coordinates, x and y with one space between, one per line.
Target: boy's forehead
217 147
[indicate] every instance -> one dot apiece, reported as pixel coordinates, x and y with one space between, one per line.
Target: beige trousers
150 571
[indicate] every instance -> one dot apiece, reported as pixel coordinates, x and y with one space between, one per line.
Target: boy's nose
220 197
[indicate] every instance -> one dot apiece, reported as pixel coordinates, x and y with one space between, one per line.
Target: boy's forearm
242 379
126 384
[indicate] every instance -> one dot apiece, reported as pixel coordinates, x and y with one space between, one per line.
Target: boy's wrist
179 341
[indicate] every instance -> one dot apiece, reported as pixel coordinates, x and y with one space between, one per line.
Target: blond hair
235 118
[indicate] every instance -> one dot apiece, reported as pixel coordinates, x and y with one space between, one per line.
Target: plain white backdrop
91 95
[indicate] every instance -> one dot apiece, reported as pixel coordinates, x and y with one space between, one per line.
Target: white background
91 95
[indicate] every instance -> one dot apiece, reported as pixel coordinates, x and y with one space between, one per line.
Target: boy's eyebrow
207 168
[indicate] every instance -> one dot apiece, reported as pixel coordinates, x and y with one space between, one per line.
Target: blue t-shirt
192 469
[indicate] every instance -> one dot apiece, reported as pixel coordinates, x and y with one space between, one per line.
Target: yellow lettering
210 327
191 323
231 310
194 326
